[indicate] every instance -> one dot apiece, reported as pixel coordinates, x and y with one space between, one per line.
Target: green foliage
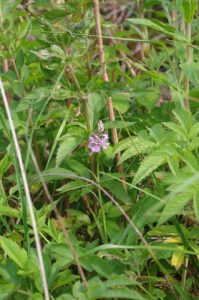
145 246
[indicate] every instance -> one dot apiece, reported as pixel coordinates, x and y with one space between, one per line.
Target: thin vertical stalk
101 202
59 219
105 77
103 66
5 70
27 192
188 56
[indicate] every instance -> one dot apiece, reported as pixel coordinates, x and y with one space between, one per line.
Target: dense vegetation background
105 106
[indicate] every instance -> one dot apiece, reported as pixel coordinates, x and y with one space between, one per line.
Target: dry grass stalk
105 77
27 192
60 220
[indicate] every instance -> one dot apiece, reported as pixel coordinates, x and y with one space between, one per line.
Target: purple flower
98 141
104 141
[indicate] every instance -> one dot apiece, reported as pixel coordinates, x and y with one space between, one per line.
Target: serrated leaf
194 131
184 118
173 163
148 165
9 211
174 206
194 144
139 146
98 290
176 128
189 158
12 249
123 144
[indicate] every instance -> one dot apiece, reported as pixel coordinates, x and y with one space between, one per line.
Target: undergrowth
104 99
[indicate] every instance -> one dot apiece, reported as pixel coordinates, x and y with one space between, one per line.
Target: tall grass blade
27 192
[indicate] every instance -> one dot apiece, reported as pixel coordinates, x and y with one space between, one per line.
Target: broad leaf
12 249
66 147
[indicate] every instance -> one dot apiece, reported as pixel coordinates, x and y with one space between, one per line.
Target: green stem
185 242
188 54
101 202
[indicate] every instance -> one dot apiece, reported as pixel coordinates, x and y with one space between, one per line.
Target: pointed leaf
196 203
174 206
189 9
177 259
66 147
149 164
12 249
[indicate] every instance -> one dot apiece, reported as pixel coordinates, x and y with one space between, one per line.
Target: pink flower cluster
98 141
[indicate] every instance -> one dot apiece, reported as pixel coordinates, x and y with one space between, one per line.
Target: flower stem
188 54
101 202
105 77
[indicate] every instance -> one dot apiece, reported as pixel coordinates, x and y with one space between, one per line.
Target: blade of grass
27 191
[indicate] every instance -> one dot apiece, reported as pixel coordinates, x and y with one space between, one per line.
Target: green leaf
9 211
135 143
66 147
7 290
176 128
36 296
196 203
98 290
95 105
65 297
189 158
173 163
148 98
76 184
156 25
56 174
138 146
118 124
4 164
12 249
189 9
194 131
194 144
174 206
148 165
191 70
121 101
184 118
177 258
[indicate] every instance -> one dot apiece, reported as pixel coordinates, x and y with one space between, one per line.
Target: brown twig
105 77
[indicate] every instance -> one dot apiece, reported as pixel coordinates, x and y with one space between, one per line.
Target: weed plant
99 152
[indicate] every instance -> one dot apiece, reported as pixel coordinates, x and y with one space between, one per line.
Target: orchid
99 140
